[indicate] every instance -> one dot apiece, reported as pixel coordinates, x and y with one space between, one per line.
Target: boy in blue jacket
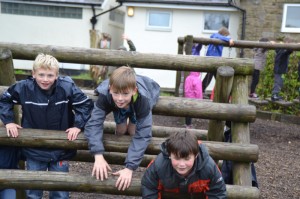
128 96
48 102
183 167
216 51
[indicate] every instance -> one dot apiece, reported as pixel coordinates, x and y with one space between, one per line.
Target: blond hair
46 62
123 79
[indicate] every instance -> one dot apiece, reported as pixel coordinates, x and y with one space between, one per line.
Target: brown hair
224 31
123 79
182 144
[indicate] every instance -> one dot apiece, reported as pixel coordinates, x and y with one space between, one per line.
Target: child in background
260 56
281 63
183 166
192 89
216 51
128 96
48 102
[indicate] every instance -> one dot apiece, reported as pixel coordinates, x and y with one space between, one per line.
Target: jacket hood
201 159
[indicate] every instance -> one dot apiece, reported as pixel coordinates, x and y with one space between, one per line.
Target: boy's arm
139 142
93 130
131 45
150 181
82 106
217 187
8 99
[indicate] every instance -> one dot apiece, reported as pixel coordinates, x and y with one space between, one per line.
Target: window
41 10
290 18
159 20
213 21
117 16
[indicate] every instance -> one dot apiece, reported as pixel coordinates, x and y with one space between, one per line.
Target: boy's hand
12 130
124 179
73 133
231 42
100 168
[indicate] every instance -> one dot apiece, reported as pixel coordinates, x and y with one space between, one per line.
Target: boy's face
122 99
183 166
45 78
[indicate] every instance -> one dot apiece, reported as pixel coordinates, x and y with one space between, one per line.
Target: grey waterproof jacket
148 93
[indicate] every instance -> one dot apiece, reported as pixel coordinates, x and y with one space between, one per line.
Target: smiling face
45 78
122 99
183 166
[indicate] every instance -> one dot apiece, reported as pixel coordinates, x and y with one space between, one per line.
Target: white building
60 23
155 26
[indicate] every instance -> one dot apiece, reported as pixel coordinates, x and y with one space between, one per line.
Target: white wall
185 22
55 31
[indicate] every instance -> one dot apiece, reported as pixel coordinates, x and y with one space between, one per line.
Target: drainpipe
243 24
94 18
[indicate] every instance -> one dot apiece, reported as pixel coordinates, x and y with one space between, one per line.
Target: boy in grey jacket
127 96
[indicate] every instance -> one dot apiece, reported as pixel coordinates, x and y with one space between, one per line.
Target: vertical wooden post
7 78
224 81
240 131
188 44
178 73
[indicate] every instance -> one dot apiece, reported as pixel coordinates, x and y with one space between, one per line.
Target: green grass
84 76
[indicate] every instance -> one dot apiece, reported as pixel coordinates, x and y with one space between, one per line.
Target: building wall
184 22
56 31
264 19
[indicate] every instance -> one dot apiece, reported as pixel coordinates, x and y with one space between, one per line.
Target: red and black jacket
205 179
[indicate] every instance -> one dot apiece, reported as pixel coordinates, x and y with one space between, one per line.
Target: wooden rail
133 59
19 179
114 143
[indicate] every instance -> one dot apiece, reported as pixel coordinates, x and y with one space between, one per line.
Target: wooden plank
57 181
114 143
257 101
281 102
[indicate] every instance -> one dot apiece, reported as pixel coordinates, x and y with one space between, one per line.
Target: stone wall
263 19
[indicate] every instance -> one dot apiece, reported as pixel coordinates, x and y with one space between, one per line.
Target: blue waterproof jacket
67 106
216 50
148 93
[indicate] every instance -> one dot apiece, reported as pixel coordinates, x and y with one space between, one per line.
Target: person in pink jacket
192 89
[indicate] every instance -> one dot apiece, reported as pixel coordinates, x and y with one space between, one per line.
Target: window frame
284 18
159 28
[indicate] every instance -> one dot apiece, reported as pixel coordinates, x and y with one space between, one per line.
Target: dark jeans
255 79
35 165
188 121
278 83
207 79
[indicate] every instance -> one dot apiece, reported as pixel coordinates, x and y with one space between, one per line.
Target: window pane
159 19
293 17
214 21
41 10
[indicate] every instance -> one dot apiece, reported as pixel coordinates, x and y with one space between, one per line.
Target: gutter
243 24
93 20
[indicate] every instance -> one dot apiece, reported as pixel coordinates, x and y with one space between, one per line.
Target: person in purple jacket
192 89
216 51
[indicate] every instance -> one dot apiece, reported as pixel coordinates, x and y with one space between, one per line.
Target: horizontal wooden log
114 143
111 157
245 44
161 131
186 107
57 181
94 56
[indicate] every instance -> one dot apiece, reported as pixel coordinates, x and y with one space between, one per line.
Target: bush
290 90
